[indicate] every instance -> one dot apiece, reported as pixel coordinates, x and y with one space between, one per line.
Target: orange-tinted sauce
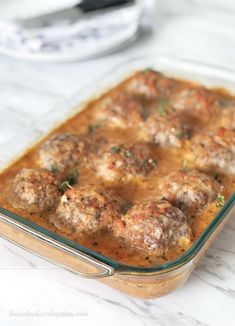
169 159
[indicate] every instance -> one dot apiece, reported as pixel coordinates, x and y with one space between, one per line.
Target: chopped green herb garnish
72 178
54 167
162 104
217 177
92 128
146 70
179 134
220 201
125 207
64 186
185 134
128 153
71 181
185 165
116 149
152 162
162 110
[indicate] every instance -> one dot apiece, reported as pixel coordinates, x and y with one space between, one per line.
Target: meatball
197 103
167 129
149 84
35 191
118 161
120 110
62 152
190 191
89 208
154 227
215 151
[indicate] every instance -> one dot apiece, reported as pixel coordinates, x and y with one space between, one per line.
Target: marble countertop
35 291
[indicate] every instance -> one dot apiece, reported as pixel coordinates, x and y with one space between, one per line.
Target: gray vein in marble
99 298
229 292
22 257
31 89
9 112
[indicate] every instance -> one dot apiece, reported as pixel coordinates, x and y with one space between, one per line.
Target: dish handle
51 249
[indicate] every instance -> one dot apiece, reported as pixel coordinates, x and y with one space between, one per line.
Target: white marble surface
43 294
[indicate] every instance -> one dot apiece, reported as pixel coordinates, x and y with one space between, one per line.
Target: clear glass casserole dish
137 281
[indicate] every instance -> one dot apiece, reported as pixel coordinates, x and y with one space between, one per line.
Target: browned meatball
191 190
167 129
121 110
198 103
35 191
86 209
149 84
124 162
154 227
62 152
215 151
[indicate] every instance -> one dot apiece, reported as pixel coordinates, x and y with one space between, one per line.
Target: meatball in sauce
196 103
120 162
215 151
87 209
35 191
154 227
120 110
167 129
62 152
191 191
149 85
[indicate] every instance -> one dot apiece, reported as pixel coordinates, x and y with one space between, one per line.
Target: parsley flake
162 104
220 201
92 128
64 186
128 153
70 182
161 110
185 165
54 167
147 70
116 149
184 134
72 178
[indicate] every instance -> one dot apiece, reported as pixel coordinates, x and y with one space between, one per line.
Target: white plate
87 38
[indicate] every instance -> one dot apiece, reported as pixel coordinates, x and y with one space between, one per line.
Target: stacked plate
73 36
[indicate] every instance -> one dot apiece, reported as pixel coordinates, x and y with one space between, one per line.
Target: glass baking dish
142 282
